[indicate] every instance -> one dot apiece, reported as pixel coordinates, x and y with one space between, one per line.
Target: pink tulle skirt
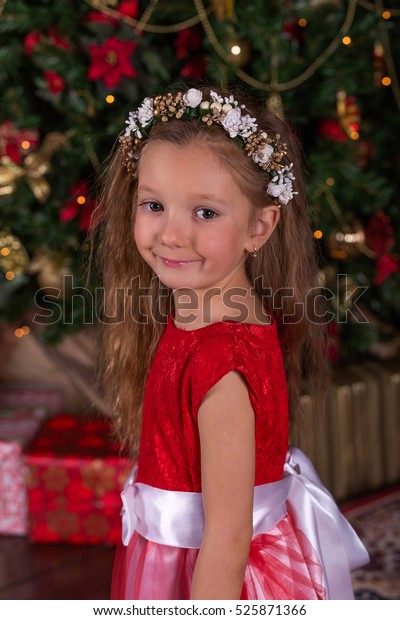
282 565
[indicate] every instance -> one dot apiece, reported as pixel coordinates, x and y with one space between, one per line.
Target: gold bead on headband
264 149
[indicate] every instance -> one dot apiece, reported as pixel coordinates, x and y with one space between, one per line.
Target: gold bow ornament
34 168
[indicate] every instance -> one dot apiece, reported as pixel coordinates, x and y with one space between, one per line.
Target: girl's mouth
177 263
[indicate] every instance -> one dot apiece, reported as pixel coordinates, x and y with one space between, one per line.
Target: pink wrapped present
17 429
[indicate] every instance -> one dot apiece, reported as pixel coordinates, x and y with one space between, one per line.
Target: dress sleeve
215 358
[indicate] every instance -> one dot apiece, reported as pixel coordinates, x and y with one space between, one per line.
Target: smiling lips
177 263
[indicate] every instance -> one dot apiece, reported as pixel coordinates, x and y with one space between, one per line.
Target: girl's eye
206 214
152 206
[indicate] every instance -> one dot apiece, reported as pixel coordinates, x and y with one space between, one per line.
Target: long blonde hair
141 303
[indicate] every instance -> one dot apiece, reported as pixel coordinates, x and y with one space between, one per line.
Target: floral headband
265 150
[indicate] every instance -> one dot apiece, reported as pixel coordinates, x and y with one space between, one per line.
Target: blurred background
69 74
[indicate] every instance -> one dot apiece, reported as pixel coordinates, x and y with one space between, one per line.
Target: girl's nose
172 232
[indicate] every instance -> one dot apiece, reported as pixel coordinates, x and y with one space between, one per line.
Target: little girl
206 234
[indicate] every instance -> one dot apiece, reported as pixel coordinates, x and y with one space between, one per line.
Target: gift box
75 474
17 429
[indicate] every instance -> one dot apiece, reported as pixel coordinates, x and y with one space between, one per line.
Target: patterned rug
377 522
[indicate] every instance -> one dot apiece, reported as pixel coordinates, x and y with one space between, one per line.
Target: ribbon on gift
176 518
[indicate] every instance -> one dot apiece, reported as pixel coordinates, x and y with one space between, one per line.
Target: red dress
282 564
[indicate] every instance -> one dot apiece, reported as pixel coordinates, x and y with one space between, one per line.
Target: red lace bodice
186 365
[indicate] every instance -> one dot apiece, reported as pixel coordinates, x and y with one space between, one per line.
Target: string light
346 40
22 331
318 234
354 135
4 251
235 50
26 145
110 99
386 15
386 81
81 200
330 181
302 22
9 275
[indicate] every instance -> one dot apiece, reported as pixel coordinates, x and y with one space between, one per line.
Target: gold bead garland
142 24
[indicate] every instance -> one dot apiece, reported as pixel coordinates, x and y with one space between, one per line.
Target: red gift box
75 476
17 429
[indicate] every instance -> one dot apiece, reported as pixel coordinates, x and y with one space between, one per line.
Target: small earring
254 254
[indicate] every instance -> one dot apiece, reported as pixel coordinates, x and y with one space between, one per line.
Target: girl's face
192 223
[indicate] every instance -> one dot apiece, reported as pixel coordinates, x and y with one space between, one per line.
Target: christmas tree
71 71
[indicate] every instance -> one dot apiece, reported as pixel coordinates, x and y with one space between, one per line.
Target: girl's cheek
138 230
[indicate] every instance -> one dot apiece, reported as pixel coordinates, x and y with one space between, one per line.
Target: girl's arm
226 426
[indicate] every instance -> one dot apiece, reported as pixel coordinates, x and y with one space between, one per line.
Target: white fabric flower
231 122
283 192
226 107
132 125
205 105
216 105
216 97
146 112
262 156
193 97
281 186
248 125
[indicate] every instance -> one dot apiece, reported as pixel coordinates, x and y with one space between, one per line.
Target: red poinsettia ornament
111 61
14 143
32 39
53 36
55 83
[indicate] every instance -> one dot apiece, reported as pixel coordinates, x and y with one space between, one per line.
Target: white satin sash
176 519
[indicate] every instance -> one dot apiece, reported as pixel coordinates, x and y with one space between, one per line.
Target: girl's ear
263 227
